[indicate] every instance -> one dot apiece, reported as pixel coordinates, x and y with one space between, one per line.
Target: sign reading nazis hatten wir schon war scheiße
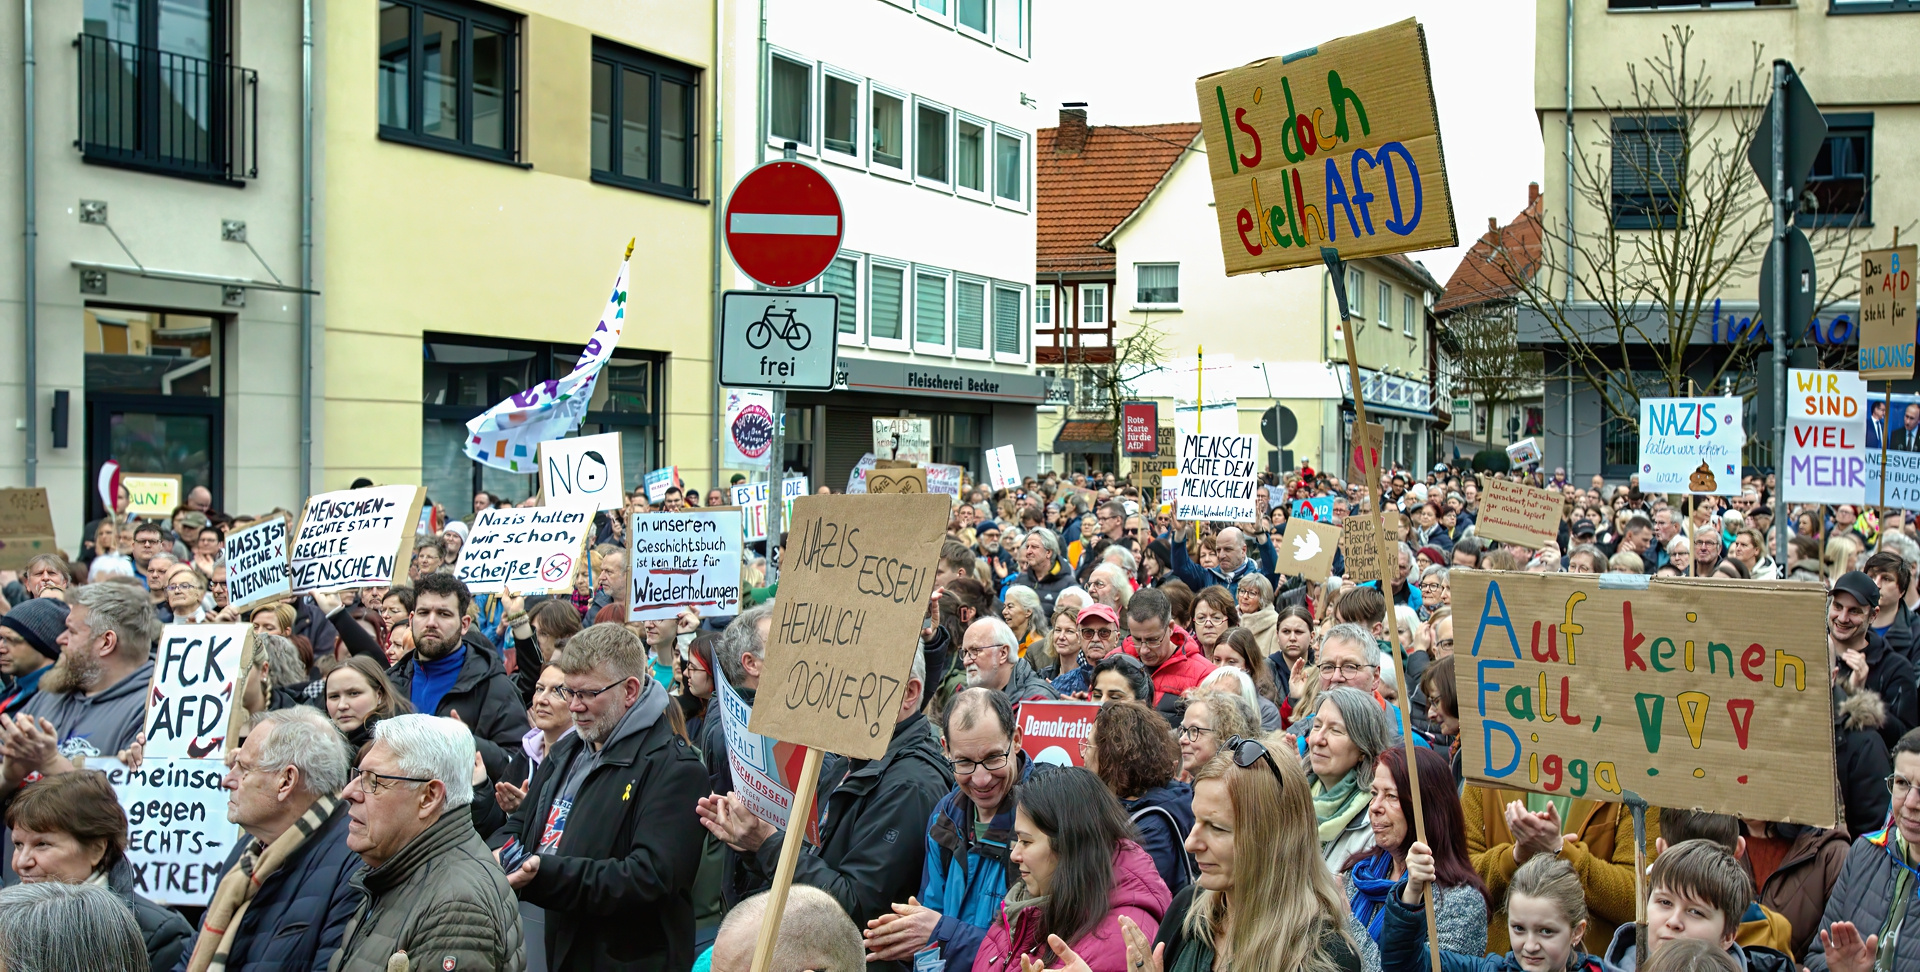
1693 693
854 583
355 538
523 549
257 562
683 560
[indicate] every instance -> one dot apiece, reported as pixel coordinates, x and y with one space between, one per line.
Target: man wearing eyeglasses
608 825
1170 654
1350 657
1099 630
992 656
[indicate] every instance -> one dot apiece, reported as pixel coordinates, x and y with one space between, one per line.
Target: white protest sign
752 500
582 473
942 478
192 709
1691 445
684 560
1216 478
1003 468
857 480
763 767
661 480
257 562
178 837
748 434
526 550
355 538
903 439
1525 452
1826 438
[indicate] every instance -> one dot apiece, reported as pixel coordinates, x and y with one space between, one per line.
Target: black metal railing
151 109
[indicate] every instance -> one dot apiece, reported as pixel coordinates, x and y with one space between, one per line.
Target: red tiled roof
1483 274
1083 197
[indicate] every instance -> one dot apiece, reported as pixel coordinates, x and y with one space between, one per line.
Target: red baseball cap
1098 611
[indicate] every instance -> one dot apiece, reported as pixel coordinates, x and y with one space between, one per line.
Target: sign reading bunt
853 588
355 538
1338 145
1517 513
154 495
1360 545
1691 445
1139 428
257 562
1886 313
26 527
526 550
683 560
193 707
752 500
1692 693
1216 478
178 837
1826 437
1053 732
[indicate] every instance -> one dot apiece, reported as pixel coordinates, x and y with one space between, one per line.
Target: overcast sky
1134 62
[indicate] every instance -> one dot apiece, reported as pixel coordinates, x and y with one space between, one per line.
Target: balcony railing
144 108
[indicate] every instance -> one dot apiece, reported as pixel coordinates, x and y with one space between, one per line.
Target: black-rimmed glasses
1248 751
585 695
375 782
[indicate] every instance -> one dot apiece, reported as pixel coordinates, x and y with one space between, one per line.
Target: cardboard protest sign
752 500
1517 513
1826 437
1338 145
896 481
857 480
26 527
152 494
1360 546
582 473
1694 693
1003 468
944 479
1319 509
1366 451
749 428
684 560
193 708
178 837
1691 445
1886 313
1525 452
659 481
1216 478
903 439
765 770
257 562
355 538
1306 549
1052 732
526 550
853 589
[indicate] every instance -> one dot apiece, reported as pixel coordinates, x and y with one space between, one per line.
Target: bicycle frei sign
784 224
778 340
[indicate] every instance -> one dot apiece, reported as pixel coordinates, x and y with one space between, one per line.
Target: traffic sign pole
1777 314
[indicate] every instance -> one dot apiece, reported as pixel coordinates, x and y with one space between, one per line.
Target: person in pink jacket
1080 871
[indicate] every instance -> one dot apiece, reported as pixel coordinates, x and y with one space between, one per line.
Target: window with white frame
1156 283
886 302
1007 325
973 16
970 157
839 114
931 144
929 309
1043 307
1357 294
1010 25
1093 303
789 98
937 9
1385 307
1009 166
1406 314
970 315
889 129
842 279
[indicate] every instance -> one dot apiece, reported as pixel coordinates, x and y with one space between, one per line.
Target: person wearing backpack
1132 753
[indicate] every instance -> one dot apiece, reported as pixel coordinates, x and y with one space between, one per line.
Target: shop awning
1084 436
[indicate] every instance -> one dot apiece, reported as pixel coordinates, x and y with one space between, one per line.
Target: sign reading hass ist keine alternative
1693 693
1337 145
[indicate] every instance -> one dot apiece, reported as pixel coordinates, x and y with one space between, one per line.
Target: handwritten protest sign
764 769
944 479
1003 468
1338 145
178 837
1517 513
659 481
355 538
257 562
896 481
526 550
1216 478
1691 445
1826 437
903 439
1366 451
152 494
853 589
752 500
1886 313
1051 732
1307 548
857 480
26 527
582 473
1693 693
684 560
1360 545
192 708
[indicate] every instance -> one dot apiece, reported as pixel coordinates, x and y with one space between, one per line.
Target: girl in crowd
1459 896
1240 650
1292 664
1349 732
1212 717
1546 911
1080 876
1131 752
696 682
358 696
1213 613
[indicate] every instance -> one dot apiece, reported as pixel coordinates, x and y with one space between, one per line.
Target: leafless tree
1104 376
1483 359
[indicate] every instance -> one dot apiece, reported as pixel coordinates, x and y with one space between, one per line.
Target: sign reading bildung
682 560
1517 513
193 709
526 550
853 589
1887 313
582 473
178 837
1216 478
1691 445
752 500
355 538
257 562
1693 693
1826 437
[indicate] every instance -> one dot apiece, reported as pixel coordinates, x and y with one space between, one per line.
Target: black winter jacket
485 697
297 917
1861 761
1890 674
165 932
619 891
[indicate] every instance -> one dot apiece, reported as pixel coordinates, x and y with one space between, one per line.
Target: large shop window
464 378
153 395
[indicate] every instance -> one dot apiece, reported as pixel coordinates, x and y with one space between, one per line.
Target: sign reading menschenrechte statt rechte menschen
355 538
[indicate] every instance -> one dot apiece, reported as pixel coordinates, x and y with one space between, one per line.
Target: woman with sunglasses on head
1210 717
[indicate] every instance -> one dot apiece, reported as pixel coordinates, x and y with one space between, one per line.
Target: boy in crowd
1697 889
1759 924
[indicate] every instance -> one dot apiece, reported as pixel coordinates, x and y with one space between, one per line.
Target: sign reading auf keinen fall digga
1337 145
1693 693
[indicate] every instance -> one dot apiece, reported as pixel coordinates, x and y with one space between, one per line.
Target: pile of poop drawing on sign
1702 480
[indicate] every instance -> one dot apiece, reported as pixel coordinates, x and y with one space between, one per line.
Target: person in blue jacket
1231 562
1546 915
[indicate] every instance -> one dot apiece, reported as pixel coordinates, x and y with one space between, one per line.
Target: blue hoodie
965 879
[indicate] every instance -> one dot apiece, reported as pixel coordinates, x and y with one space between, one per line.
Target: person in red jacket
1171 655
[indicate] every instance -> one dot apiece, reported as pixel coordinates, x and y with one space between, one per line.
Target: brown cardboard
896 481
1579 685
1280 193
1318 542
26 527
1517 513
854 586
1886 313
1375 439
1363 548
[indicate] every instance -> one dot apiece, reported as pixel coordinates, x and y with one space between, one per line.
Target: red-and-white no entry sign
784 224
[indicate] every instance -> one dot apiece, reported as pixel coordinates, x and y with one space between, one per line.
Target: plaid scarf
239 886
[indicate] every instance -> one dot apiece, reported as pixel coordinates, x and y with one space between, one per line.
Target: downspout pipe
760 109
306 249
719 233
31 234
1567 188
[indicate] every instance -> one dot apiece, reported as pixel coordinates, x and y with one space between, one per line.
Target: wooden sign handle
789 859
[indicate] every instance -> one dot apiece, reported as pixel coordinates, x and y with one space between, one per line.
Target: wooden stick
1638 806
796 835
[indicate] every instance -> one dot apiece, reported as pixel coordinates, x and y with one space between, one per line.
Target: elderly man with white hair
1108 584
992 656
1230 561
432 888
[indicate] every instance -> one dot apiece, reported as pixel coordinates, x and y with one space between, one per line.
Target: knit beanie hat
40 622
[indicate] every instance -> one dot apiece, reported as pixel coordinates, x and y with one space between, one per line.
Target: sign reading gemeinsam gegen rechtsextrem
1693 693
355 538
854 582
1337 145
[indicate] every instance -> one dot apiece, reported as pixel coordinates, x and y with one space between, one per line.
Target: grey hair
1028 598
918 672
1242 687
742 636
1441 571
1074 591
1903 545
1258 581
123 610
1367 724
432 748
307 741
283 661
815 933
1121 557
1046 538
1369 648
1116 579
1406 550
52 927
1002 635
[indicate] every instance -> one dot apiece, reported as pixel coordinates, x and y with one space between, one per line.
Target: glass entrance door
153 396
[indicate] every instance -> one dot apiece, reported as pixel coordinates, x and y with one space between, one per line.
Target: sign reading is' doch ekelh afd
1337 145
1694 693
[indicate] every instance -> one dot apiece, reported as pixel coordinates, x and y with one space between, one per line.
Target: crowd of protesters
433 778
